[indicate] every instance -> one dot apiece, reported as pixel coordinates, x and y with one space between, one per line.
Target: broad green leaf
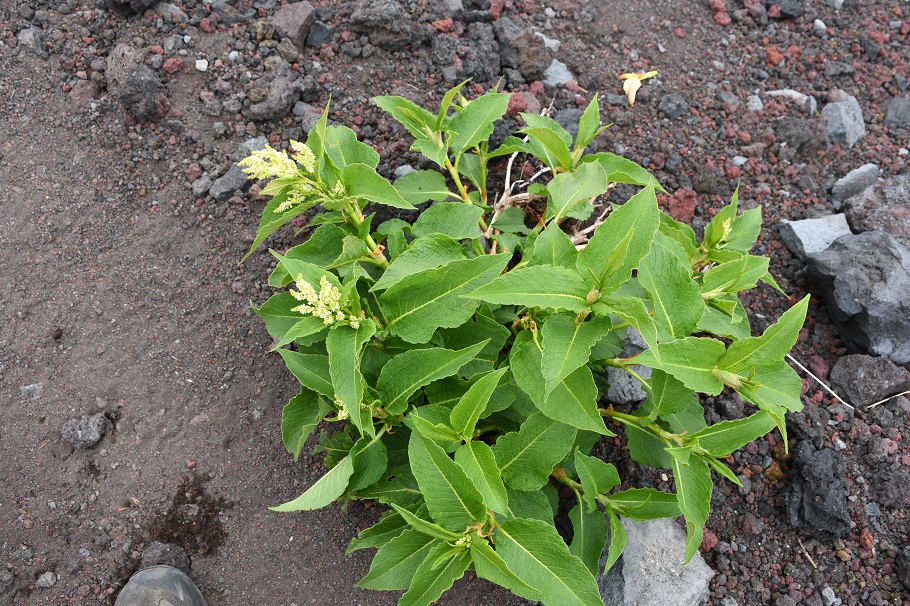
512 220
407 372
680 232
370 462
690 360
312 370
553 247
621 242
418 121
478 462
469 166
589 537
642 504
271 220
433 147
734 276
401 489
428 528
321 250
446 103
721 439
422 186
572 401
336 446
633 311
646 448
596 476
475 122
744 231
668 395
472 404
548 123
512 145
567 345
308 272
490 566
454 219
419 304
345 347
440 433
623 170
395 563
533 504
549 147
534 550
617 540
326 489
362 181
298 419
277 314
721 225
693 494
719 323
342 146
686 421
395 242
776 342
451 497
775 388
538 286
316 140
527 457
569 189
588 126
678 304
386 529
443 566
428 252
481 327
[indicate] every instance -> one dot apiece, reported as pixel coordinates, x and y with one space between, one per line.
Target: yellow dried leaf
633 83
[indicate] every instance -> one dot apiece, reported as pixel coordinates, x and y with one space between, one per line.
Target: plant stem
462 191
660 432
560 475
352 211
626 366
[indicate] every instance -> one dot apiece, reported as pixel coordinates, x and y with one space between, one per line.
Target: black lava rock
817 499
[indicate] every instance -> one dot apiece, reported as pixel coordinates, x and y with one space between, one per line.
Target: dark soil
120 290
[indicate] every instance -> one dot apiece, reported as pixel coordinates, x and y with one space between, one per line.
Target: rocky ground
121 299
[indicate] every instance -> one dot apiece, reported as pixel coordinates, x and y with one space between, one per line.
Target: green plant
461 356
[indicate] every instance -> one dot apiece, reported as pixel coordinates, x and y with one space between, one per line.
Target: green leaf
567 190
533 504
427 528
277 314
693 493
370 462
553 247
393 229
534 550
395 563
623 170
567 345
547 123
776 342
512 220
642 504
475 122
342 146
419 304
478 462
721 439
443 566
678 304
646 448
744 231
668 395
572 401
680 232
390 526
454 219
271 220
407 372
423 185
321 250
451 497
298 419
527 457
775 388
336 446
734 276
617 540
309 272
470 167
312 370
447 103
328 488
546 286
433 148
549 147
690 360
719 323
429 252
621 242
362 181
345 347
490 566
588 125
418 121
316 139
590 536
596 476
472 404
440 433
481 327
633 311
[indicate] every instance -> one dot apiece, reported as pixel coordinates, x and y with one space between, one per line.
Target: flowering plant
463 354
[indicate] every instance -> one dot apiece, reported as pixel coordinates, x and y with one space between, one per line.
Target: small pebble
202 65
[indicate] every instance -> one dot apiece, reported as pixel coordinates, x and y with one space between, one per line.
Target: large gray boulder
845 124
650 571
293 21
865 380
885 206
811 236
865 280
388 24
520 48
284 90
853 183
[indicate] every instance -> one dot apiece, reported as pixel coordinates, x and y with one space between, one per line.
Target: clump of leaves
462 354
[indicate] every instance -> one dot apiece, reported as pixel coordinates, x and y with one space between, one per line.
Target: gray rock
624 388
32 40
845 124
817 499
569 119
885 206
201 185
898 112
811 236
865 280
320 34
235 179
557 74
388 25
864 380
284 91
521 49
834 69
806 136
853 183
137 6
892 488
480 59
754 103
903 566
293 21
673 106
166 8
446 8
819 28
404 169
32 391
86 431
120 62
212 107
47 580
791 9
143 94
166 554
650 571
835 4
9 585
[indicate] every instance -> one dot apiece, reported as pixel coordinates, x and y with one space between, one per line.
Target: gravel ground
120 291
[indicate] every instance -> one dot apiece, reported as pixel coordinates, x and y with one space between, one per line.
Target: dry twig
820 382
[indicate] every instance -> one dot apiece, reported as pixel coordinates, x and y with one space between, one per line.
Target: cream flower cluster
303 155
325 305
298 193
268 163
